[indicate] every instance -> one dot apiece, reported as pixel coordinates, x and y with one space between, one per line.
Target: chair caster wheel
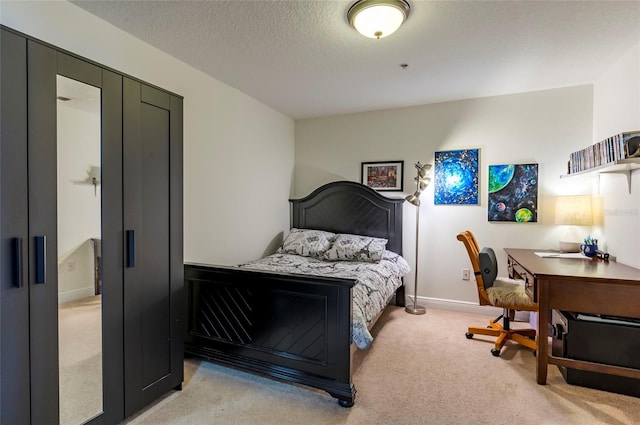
468 335
496 353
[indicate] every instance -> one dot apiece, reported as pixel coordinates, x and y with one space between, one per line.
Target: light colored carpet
419 370
80 350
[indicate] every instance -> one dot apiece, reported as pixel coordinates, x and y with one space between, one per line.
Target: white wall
78 149
540 127
617 109
76 274
616 97
238 153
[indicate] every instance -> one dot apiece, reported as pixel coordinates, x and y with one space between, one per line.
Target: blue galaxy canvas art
456 177
513 193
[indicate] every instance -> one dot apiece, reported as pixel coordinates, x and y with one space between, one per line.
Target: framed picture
383 176
513 193
456 177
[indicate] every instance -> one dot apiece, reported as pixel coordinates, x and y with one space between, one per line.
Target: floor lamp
422 181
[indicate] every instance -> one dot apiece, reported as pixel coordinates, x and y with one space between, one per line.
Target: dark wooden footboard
291 327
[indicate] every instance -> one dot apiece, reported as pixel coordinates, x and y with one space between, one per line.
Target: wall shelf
621 166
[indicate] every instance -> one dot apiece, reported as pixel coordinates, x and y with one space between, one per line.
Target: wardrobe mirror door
79 251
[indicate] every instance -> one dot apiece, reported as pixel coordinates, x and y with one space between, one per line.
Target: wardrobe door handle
41 254
17 262
131 248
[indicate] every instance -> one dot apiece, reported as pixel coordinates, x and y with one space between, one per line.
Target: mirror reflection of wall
79 236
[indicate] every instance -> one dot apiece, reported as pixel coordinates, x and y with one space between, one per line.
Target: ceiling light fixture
378 18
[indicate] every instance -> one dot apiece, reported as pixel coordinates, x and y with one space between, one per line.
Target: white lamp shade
574 210
378 19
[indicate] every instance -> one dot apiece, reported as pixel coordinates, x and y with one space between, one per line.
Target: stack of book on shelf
609 151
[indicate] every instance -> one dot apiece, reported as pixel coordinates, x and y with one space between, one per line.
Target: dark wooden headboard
350 207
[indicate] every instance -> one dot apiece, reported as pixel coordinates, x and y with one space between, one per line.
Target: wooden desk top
593 269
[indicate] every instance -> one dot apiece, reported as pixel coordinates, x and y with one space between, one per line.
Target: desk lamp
574 210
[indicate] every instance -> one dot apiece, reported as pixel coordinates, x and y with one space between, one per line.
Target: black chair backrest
488 266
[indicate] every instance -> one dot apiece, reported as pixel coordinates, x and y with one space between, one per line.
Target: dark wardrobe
141 235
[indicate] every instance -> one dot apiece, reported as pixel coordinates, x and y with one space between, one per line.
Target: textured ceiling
303 59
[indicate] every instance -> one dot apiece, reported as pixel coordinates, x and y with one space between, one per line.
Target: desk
580 285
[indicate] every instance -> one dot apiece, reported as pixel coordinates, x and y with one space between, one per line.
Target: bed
292 325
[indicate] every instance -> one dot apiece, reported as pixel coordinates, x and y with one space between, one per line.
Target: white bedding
376 282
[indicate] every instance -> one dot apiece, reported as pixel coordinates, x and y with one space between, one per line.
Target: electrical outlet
466 274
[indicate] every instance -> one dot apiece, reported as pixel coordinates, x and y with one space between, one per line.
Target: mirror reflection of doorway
79 251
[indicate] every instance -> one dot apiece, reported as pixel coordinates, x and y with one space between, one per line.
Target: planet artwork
500 176
456 177
523 215
513 193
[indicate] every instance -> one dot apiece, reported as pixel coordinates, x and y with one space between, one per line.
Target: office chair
509 294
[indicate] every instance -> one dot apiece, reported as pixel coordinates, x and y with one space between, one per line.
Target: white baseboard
75 294
464 307
459 306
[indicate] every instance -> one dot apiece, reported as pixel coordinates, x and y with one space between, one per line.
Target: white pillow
347 247
306 242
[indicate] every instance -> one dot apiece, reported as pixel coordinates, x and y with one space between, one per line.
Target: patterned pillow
355 248
306 242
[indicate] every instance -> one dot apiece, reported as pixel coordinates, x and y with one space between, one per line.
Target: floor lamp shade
422 181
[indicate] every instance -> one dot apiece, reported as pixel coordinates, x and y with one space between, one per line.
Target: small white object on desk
577 255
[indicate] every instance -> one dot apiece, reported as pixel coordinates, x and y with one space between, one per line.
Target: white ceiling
80 95
303 59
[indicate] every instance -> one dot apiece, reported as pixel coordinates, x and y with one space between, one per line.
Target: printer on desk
600 339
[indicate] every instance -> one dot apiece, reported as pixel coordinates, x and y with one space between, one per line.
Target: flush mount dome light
378 18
